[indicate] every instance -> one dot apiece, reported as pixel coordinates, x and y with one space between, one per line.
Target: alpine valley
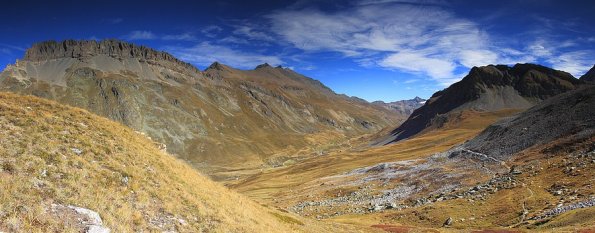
109 136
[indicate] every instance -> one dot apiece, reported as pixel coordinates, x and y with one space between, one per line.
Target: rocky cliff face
217 119
487 88
403 107
86 49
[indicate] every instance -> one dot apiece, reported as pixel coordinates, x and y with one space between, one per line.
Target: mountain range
218 119
403 107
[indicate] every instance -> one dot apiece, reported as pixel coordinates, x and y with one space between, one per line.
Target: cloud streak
149 35
422 38
140 35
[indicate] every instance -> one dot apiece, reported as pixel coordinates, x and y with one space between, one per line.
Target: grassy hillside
51 154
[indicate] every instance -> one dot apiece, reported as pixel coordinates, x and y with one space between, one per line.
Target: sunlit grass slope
54 154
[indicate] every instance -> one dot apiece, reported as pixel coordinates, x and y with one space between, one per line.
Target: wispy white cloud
206 53
308 67
415 2
470 58
424 40
211 31
234 40
140 35
566 55
576 63
251 33
12 47
149 35
182 37
414 62
419 37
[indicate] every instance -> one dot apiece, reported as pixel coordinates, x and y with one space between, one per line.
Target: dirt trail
503 163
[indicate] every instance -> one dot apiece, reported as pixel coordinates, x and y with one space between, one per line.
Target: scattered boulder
77 151
448 222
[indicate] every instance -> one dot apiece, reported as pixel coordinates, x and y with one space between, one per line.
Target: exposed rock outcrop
90 48
88 220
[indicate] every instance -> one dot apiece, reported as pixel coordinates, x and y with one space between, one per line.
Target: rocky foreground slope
571 113
486 89
63 169
218 119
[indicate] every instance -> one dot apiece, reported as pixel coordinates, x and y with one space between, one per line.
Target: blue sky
374 49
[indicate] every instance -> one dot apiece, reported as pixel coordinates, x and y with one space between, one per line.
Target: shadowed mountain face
589 76
566 114
487 88
217 117
403 107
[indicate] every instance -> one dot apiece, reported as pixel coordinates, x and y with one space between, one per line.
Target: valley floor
409 186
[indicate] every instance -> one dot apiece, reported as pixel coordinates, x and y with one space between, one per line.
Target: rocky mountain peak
261 66
589 76
404 107
216 66
49 50
488 88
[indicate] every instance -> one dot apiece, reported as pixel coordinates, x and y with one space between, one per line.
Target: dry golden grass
278 183
502 210
39 167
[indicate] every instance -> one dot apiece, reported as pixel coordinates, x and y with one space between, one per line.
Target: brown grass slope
221 119
55 154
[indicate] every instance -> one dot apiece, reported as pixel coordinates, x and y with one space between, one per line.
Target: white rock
97 229
94 222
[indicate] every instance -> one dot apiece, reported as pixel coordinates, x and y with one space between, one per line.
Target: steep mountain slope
568 114
487 88
589 76
403 107
56 160
219 119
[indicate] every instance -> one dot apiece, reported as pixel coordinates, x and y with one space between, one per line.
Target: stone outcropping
89 48
88 220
